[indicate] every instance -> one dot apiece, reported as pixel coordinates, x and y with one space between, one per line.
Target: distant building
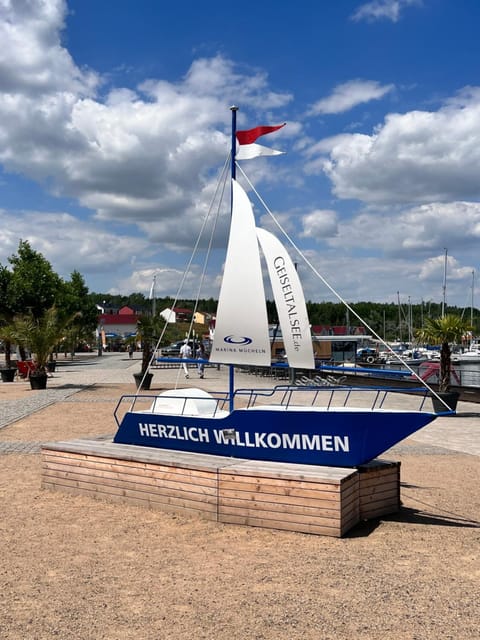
117 324
176 314
200 317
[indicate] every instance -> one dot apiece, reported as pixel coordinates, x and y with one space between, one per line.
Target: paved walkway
460 433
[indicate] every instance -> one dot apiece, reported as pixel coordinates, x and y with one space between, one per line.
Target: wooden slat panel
305 498
146 455
298 472
311 485
281 503
173 489
260 502
137 502
373 480
203 485
160 466
371 492
300 527
91 488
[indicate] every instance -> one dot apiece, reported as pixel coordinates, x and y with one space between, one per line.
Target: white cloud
416 231
319 224
348 95
383 9
419 156
32 59
136 156
433 269
66 241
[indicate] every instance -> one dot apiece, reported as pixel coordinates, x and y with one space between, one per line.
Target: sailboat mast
233 109
444 284
471 305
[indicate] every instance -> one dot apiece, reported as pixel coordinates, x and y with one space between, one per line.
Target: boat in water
332 426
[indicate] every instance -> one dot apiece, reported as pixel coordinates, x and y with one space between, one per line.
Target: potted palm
444 331
39 336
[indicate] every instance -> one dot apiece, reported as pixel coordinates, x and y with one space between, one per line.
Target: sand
76 568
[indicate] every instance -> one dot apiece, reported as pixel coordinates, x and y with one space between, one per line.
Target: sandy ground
75 568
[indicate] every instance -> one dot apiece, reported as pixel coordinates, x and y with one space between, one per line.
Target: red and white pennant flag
247 147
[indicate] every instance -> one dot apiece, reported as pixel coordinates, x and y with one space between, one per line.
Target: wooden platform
304 498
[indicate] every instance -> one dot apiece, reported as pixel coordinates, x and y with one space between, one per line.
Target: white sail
290 302
241 327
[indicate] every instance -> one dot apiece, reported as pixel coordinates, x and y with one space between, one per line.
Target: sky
115 125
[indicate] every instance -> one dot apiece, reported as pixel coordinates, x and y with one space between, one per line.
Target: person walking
185 353
201 357
130 350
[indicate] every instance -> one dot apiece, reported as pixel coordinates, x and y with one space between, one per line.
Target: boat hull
336 438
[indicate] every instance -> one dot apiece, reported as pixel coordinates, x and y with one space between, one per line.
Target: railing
183 403
282 396
331 397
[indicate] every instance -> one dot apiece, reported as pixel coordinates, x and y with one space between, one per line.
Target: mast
471 306
444 284
399 316
233 109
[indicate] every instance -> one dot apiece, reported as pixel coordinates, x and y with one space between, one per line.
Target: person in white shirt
185 352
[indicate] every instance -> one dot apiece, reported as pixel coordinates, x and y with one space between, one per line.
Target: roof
118 318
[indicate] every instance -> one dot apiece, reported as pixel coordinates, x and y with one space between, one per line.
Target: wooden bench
304 498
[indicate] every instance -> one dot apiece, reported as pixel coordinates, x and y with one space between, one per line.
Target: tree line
29 285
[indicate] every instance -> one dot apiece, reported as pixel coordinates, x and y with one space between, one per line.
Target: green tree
34 285
76 301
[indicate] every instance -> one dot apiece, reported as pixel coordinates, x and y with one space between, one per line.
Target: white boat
471 355
296 424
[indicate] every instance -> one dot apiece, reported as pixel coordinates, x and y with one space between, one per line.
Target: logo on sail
237 339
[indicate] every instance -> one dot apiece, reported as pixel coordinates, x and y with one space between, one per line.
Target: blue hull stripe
331 438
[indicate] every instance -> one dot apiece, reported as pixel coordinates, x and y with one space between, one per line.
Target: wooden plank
147 455
269 516
131 463
281 502
280 490
275 508
173 489
137 502
373 483
202 484
299 527
90 488
319 484
263 469
382 489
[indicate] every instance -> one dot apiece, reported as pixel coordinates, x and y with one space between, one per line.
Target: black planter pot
450 397
146 382
51 364
8 374
38 380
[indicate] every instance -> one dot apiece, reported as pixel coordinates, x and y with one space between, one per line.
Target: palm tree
148 331
40 335
444 331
